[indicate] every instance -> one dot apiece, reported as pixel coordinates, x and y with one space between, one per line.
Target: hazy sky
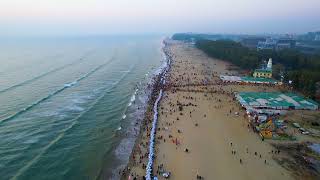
157 16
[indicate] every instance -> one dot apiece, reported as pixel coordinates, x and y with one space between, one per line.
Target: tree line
190 37
302 69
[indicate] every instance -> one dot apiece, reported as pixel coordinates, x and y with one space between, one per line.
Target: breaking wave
66 86
74 122
45 74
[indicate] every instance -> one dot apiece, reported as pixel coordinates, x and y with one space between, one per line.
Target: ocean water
69 107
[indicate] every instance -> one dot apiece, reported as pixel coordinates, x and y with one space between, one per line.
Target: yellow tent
266 134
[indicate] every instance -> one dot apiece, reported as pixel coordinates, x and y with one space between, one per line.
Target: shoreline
133 121
158 83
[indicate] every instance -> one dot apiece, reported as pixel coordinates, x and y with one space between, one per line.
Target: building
275 101
285 44
281 46
265 72
268 44
248 79
263 45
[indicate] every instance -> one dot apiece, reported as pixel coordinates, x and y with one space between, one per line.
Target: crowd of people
203 82
142 155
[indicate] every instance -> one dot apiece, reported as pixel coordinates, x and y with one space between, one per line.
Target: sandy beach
202 132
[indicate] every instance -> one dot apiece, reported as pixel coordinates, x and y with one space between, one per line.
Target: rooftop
259 80
248 79
263 70
276 100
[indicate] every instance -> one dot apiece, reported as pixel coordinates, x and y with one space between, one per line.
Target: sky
90 17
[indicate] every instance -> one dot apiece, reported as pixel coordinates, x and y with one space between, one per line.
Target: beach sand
202 130
201 120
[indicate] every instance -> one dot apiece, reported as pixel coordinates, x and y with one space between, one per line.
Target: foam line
66 86
61 135
44 74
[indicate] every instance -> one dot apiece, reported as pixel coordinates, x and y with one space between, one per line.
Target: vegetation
302 69
190 37
232 51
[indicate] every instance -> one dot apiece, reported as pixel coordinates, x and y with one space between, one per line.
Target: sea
70 107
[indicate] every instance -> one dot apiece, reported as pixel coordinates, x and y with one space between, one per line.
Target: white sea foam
133 98
75 108
70 84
